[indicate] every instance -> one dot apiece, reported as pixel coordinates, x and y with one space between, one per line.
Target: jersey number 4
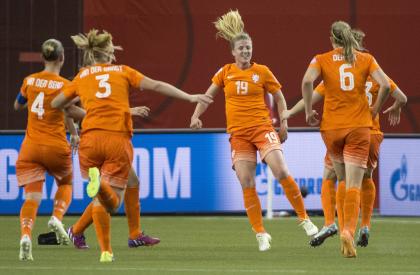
38 105
103 83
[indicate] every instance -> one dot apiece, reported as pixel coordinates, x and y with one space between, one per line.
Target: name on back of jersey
338 57
100 69
44 83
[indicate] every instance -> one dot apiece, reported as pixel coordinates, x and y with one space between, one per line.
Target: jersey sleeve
134 76
271 84
218 78
373 66
23 88
70 88
315 63
320 89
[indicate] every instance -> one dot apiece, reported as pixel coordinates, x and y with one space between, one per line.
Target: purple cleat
79 240
143 240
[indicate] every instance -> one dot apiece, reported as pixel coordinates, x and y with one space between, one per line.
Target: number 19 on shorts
272 137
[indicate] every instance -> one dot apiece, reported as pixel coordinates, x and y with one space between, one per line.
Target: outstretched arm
201 108
169 90
300 106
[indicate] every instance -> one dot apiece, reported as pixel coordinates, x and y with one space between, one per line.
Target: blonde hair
343 36
231 27
359 35
52 49
96 47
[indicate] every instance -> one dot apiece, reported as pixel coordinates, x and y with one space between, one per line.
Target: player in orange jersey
45 147
328 193
105 150
131 200
347 119
248 121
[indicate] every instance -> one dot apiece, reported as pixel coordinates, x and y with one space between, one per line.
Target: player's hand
312 119
196 123
74 143
283 131
394 113
201 98
141 111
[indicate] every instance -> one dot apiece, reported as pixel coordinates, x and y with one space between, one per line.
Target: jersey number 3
103 78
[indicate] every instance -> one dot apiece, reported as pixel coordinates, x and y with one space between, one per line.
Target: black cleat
323 234
363 237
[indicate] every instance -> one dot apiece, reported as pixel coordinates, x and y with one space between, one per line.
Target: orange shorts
110 152
375 143
245 143
36 159
348 145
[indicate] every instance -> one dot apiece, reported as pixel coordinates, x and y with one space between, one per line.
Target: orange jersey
345 101
244 94
372 91
103 90
45 124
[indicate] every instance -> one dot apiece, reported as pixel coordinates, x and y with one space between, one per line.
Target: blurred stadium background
189 172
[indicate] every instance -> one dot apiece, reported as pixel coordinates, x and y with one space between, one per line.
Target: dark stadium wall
175 41
25 24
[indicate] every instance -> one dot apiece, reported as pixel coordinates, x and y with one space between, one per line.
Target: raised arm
201 108
169 90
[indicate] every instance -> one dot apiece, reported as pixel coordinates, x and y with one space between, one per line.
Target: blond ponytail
343 36
231 27
96 47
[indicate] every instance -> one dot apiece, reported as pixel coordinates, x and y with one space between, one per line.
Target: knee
34 196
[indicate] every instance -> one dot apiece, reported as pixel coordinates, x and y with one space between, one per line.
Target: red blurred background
174 41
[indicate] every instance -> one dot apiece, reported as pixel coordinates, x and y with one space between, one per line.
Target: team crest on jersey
255 78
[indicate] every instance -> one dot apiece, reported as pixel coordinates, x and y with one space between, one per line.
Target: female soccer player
105 150
45 147
328 193
249 124
346 119
136 236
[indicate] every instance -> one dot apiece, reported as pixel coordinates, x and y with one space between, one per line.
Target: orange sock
328 201
84 221
62 200
102 222
294 196
367 200
132 211
108 197
253 209
351 209
28 216
340 196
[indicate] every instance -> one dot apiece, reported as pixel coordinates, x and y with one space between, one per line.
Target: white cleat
55 225
264 241
309 227
25 253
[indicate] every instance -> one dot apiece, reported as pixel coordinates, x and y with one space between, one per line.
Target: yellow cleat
347 245
92 188
106 257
